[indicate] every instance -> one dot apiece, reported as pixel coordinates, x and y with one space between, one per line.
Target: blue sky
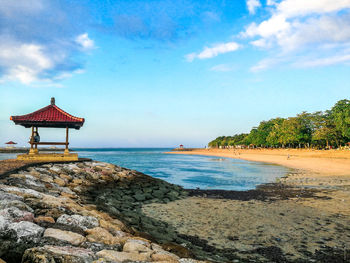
164 73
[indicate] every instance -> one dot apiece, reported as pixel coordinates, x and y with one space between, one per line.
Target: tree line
321 129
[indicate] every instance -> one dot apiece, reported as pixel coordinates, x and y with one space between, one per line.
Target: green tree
340 114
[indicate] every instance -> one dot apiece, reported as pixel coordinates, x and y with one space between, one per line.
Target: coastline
92 210
315 163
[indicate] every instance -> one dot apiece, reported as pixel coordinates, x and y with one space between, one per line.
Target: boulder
101 235
26 231
5 203
78 221
44 220
70 237
58 254
164 256
134 245
9 197
4 222
116 256
16 215
59 181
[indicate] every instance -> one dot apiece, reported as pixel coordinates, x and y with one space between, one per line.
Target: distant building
181 146
10 144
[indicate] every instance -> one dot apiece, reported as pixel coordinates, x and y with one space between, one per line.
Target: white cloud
299 26
214 51
294 8
85 42
325 61
252 5
18 7
264 64
222 68
23 62
271 2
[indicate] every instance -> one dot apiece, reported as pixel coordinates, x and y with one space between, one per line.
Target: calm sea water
189 171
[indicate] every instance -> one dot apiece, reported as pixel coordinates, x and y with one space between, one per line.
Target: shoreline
121 213
314 163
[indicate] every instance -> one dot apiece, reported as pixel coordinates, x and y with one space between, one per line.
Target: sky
160 73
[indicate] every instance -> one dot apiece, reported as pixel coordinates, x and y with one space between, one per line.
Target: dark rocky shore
47 214
95 212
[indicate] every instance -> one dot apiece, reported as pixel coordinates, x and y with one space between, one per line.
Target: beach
303 215
318 162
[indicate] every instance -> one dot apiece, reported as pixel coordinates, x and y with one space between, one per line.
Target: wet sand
304 217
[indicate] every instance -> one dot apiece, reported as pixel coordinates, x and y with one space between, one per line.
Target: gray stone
139 197
58 254
4 222
8 196
135 245
78 221
116 256
70 237
16 215
15 203
27 231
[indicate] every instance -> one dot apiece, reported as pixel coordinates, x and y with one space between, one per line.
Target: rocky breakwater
64 213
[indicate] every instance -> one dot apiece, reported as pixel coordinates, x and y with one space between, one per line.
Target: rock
27 231
60 181
44 219
65 177
4 222
78 221
9 197
55 169
164 256
19 176
21 191
134 245
139 197
78 181
116 256
189 260
70 237
15 203
101 235
46 179
58 254
16 215
69 195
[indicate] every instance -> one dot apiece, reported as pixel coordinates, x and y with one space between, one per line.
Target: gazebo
10 144
50 116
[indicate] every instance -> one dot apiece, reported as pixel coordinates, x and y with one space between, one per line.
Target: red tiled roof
10 142
49 116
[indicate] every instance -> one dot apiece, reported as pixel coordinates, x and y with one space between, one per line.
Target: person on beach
36 137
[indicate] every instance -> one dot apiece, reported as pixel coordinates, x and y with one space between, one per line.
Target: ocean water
189 171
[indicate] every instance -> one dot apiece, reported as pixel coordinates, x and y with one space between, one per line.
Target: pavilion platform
48 157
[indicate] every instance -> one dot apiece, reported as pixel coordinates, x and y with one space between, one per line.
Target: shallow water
189 171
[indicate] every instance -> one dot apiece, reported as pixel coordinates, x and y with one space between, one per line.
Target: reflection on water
189 171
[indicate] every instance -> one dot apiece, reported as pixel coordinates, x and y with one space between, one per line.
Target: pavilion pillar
31 151
36 145
66 150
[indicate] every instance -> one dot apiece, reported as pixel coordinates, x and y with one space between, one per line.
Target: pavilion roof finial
53 101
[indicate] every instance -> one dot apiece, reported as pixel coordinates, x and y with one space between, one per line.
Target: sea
189 171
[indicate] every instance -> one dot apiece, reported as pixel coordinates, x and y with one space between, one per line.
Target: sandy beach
317 162
304 218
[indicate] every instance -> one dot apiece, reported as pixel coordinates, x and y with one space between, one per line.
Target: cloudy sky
165 72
